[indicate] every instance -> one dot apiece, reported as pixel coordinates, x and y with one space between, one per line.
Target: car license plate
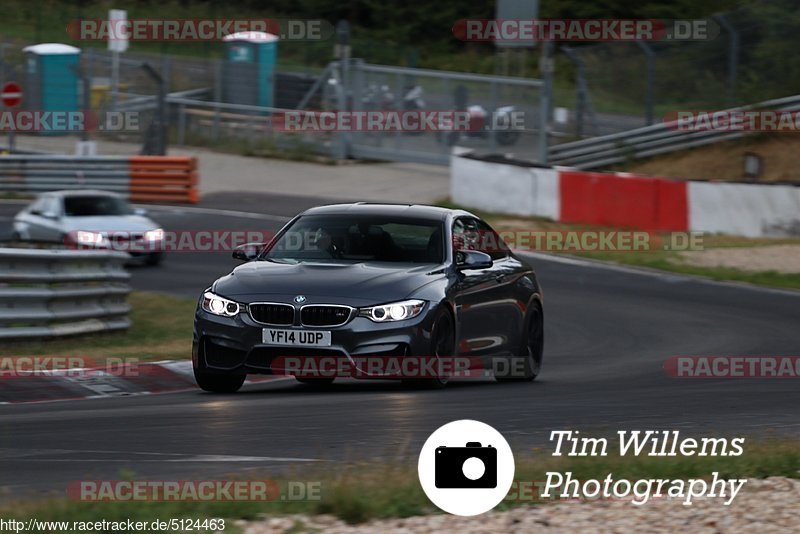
296 338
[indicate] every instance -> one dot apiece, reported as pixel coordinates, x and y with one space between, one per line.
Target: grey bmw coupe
351 282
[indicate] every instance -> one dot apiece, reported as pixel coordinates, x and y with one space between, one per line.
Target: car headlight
220 306
94 239
396 311
154 235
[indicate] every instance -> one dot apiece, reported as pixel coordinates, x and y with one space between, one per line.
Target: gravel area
778 258
764 506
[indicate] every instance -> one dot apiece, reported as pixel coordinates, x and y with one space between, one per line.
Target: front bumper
234 344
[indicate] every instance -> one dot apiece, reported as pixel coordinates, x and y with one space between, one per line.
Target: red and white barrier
502 188
752 210
626 200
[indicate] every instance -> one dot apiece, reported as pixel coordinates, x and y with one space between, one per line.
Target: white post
117 42
114 78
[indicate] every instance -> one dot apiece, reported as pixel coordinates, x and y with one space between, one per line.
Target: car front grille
325 315
272 313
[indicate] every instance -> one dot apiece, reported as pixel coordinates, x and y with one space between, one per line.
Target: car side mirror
247 252
140 211
472 259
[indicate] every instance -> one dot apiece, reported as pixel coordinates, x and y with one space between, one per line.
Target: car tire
507 138
443 345
532 351
154 259
219 382
316 382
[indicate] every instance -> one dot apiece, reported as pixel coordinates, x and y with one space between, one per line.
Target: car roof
80 193
412 211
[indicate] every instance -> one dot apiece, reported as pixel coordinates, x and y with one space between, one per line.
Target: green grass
161 330
360 492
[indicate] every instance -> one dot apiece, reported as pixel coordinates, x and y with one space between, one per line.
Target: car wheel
219 382
317 382
507 138
443 345
154 259
532 351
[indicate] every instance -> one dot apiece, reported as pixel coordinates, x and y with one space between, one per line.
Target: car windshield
352 238
94 205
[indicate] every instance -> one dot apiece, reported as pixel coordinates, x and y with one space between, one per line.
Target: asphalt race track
608 334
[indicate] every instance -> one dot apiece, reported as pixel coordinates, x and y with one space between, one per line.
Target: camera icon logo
472 466
466 467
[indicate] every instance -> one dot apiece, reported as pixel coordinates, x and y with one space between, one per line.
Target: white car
90 219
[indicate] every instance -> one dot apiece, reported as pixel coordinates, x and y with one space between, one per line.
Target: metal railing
140 178
53 293
32 174
651 141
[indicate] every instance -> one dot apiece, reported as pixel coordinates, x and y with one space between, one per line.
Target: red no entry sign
11 95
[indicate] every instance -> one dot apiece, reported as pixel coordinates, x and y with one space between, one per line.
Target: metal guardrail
53 293
140 178
650 140
49 172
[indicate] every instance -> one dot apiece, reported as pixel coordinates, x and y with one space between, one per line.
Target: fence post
733 55
545 102
160 120
181 124
580 88
650 56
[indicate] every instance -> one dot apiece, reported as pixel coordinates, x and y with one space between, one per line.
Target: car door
45 221
511 298
479 299
31 221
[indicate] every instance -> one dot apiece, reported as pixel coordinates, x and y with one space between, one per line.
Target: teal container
248 69
51 78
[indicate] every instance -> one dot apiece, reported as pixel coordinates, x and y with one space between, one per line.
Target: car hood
109 223
357 284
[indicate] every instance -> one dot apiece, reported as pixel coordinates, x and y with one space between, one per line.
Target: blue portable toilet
248 71
51 74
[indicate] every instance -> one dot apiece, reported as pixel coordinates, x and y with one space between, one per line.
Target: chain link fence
624 85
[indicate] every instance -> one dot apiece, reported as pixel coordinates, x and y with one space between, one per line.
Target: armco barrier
141 178
51 293
161 178
625 200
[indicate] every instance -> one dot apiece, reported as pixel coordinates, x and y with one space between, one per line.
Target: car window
48 205
95 205
37 206
357 238
491 243
474 234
